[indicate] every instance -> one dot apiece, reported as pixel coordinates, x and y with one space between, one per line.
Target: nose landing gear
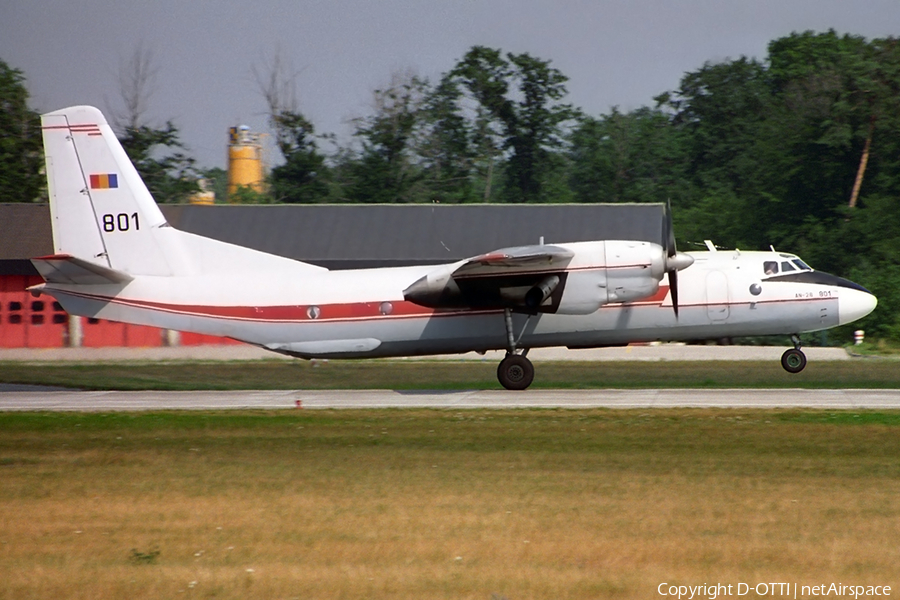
793 360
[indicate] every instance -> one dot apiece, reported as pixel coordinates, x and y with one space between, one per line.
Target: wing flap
63 268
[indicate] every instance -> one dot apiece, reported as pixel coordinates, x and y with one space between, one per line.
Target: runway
497 399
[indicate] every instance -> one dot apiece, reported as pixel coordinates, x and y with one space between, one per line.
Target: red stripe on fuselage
363 311
288 313
353 311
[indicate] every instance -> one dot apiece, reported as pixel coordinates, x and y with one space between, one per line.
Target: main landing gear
515 372
793 360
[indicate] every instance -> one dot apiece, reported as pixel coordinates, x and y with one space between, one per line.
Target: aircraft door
717 296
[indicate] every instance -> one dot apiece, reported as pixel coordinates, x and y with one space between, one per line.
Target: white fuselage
362 313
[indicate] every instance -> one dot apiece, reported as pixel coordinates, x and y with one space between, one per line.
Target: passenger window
786 266
770 267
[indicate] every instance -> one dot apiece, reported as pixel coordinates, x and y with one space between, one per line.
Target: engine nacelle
584 293
609 272
539 293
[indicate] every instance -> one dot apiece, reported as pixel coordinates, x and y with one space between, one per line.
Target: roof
351 236
355 236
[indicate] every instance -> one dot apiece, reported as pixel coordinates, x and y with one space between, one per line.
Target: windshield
773 267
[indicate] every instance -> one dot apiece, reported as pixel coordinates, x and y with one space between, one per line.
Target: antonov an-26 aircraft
116 258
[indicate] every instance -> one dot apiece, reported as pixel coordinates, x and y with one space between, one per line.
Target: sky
615 52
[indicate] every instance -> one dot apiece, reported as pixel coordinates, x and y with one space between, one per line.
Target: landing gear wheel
515 372
793 360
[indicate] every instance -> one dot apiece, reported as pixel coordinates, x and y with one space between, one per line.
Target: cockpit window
770 267
801 265
786 266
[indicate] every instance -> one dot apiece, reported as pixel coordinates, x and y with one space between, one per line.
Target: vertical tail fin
101 210
102 213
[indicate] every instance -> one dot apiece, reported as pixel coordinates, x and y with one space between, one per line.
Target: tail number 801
121 222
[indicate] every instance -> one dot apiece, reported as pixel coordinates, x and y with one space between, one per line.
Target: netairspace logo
771 589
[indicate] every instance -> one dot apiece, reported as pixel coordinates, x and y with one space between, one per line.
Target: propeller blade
673 290
675 261
670 231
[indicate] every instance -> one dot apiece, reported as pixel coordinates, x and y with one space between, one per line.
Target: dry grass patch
443 504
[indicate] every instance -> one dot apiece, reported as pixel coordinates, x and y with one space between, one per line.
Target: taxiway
344 399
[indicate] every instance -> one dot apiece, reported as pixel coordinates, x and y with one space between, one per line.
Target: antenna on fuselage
710 246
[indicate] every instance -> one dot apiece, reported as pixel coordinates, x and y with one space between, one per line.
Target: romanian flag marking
104 181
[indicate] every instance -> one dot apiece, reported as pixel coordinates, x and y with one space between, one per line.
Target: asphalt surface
573 399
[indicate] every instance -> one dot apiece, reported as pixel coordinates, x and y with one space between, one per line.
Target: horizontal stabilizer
63 268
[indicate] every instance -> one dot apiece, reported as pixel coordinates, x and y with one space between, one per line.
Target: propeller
675 260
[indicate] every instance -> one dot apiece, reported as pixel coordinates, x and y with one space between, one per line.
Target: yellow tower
245 164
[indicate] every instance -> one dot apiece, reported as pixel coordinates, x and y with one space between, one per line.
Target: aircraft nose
854 304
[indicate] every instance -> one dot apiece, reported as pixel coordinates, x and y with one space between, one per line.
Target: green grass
448 375
408 504
881 348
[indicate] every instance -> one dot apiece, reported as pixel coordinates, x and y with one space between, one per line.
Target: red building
40 322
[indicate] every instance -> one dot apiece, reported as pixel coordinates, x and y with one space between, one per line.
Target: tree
244 194
136 80
387 167
834 81
171 177
522 95
628 157
21 157
304 176
217 181
446 146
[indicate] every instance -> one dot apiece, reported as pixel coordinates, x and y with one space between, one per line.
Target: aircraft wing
523 277
507 261
64 268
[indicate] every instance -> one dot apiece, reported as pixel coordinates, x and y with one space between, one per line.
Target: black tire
793 360
515 372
